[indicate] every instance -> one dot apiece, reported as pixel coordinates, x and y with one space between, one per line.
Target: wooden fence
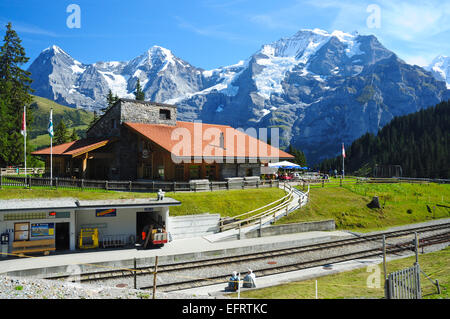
142 186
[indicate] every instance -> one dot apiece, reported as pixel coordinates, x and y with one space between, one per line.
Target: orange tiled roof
74 148
171 138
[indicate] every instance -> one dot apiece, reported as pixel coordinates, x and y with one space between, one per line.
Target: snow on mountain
440 68
282 56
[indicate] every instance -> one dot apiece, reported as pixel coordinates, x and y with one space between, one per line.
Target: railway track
433 240
173 269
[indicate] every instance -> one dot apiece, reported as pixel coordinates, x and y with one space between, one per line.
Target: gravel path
28 288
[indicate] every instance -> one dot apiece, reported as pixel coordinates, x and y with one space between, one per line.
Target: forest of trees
418 142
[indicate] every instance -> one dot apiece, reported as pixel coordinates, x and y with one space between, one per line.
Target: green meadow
354 284
401 203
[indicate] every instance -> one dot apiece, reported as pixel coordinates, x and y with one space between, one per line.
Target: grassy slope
347 205
353 284
226 203
73 118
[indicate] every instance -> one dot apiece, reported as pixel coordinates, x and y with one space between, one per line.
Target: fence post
260 226
56 182
174 186
82 184
135 275
106 185
154 277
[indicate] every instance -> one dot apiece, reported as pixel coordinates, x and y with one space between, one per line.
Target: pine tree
96 117
14 93
61 133
74 136
110 100
139 94
300 157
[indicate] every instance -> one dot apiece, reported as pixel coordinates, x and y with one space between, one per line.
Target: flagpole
50 129
343 156
25 139
51 160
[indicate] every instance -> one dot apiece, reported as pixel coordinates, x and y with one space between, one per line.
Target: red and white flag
343 150
23 131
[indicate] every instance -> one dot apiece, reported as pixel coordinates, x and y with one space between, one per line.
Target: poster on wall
43 230
105 212
21 231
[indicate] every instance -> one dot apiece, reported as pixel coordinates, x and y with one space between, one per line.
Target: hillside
418 142
73 118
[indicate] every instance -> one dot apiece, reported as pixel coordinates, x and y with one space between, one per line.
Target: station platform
188 249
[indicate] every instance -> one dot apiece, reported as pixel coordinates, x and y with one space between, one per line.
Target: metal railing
404 284
265 213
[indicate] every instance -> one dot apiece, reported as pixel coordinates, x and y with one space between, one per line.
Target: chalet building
140 140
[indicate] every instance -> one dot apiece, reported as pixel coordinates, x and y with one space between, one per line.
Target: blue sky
213 33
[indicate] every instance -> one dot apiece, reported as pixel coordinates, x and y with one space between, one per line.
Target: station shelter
31 225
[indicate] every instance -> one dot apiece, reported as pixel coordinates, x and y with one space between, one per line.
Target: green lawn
226 203
353 284
403 204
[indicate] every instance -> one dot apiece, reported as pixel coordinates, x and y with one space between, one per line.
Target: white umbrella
284 164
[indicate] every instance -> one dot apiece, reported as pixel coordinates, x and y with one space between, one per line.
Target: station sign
111 212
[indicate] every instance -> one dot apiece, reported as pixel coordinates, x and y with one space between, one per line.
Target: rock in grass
375 203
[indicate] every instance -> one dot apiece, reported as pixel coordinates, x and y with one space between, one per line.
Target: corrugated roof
204 141
74 148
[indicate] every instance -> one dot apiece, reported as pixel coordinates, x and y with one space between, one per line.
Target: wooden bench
33 246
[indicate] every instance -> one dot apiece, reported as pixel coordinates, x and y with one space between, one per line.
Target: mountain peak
55 49
440 67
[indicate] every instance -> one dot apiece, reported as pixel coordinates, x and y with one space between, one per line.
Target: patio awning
285 164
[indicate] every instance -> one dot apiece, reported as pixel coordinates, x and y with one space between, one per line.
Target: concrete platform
178 250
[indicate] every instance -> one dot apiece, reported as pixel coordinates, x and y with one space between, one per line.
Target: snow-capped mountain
319 88
162 76
440 67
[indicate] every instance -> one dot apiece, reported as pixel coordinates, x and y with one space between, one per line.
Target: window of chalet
164 114
194 171
179 172
161 172
210 172
147 173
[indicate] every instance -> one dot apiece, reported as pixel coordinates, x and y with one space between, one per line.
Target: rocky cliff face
320 89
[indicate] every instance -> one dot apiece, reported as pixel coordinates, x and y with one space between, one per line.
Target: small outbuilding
29 225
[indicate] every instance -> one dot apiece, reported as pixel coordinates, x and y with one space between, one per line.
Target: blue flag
50 124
